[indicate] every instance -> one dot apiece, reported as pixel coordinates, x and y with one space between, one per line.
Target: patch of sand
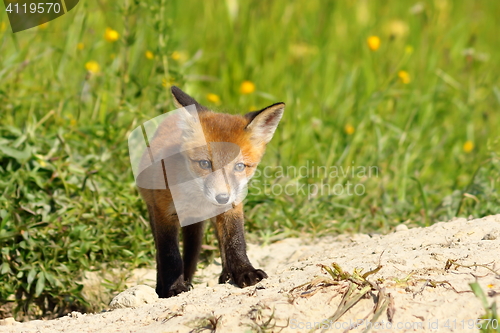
412 260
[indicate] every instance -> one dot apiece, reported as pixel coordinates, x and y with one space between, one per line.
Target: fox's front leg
230 232
169 264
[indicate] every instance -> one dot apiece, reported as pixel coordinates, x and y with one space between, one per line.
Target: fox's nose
222 198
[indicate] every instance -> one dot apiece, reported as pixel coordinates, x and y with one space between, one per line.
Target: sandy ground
413 273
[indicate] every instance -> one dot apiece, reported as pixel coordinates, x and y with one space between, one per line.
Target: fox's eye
204 164
239 167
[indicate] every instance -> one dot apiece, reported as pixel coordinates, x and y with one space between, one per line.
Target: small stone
470 218
492 235
175 308
75 314
7 321
133 297
401 227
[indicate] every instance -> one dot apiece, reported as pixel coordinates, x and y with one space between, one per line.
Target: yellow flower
247 87
168 83
111 35
43 26
3 27
176 55
491 286
404 77
468 146
373 42
349 129
41 160
149 55
93 67
213 98
179 56
72 122
80 46
409 49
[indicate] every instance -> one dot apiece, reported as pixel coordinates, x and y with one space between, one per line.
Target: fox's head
222 151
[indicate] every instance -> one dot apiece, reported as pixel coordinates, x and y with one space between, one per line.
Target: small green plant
489 321
207 323
358 287
262 321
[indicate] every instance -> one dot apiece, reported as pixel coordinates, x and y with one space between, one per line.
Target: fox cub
219 154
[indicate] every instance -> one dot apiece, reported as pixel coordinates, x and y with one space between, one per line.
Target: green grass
69 201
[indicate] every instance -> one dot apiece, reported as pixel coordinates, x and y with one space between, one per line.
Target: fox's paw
249 277
177 288
224 277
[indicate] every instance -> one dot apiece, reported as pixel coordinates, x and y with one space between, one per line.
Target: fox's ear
181 99
263 123
189 123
